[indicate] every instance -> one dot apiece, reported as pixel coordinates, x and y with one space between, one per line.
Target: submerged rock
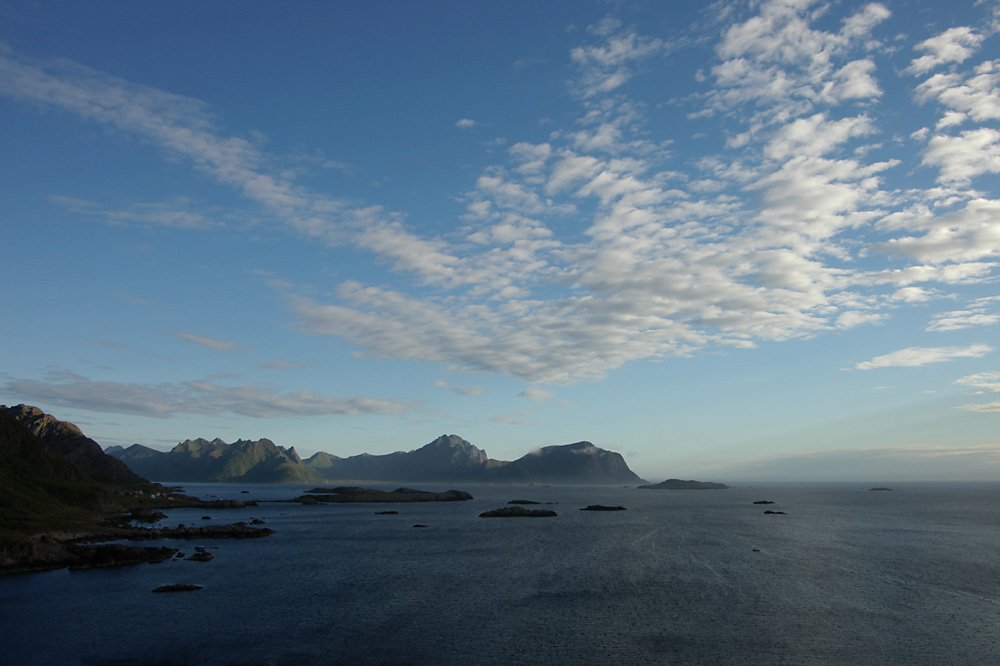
201 555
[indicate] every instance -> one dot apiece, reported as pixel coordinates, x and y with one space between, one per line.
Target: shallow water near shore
845 576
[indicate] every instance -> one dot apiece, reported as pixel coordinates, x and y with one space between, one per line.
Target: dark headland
61 493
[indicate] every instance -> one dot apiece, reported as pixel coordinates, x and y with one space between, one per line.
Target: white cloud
964 235
919 356
975 96
987 408
815 135
911 295
961 158
176 213
986 381
536 394
211 343
951 46
466 123
606 66
68 389
778 60
461 390
960 319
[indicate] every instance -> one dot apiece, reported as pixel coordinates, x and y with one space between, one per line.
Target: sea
845 575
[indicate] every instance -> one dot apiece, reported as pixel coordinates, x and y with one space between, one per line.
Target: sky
738 241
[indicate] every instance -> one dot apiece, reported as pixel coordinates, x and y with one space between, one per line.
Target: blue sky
752 240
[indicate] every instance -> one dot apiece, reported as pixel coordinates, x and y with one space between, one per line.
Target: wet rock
178 587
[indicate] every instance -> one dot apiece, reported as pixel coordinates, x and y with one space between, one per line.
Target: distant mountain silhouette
200 460
449 458
581 462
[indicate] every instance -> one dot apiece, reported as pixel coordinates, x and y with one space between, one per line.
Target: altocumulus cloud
591 249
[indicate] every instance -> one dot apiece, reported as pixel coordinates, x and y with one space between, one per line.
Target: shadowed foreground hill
40 489
65 439
56 491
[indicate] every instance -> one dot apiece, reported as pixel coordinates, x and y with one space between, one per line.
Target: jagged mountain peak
67 440
39 422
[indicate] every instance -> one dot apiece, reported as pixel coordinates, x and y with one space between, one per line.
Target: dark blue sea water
847 576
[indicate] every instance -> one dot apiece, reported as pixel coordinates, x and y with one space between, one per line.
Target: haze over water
846 576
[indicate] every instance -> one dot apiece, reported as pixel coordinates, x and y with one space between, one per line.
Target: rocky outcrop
232 531
601 507
45 553
517 512
178 587
115 555
678 484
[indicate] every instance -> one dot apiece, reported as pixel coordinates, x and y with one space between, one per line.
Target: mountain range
449 458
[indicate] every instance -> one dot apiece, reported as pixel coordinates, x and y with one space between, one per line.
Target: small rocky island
601 507
517 512
348 494
678 484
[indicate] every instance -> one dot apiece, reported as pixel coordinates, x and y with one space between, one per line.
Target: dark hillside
66 440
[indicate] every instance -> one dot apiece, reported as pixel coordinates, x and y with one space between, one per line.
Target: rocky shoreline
81 547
